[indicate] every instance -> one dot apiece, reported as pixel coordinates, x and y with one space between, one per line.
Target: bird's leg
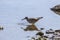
32 23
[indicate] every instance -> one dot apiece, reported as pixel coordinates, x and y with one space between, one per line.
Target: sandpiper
32 20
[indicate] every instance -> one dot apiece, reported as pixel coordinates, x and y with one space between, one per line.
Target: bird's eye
56 7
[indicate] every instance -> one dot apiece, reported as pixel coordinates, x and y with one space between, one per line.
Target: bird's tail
39 18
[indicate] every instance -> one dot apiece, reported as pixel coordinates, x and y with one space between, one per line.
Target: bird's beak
52 9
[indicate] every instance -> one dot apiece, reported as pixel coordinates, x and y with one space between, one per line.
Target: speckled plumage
56 9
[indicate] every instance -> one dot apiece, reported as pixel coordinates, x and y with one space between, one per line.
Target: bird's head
56 8
25 18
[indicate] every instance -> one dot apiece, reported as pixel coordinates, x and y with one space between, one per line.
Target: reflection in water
30 28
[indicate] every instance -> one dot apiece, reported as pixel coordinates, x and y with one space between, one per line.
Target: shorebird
32 20
56 9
